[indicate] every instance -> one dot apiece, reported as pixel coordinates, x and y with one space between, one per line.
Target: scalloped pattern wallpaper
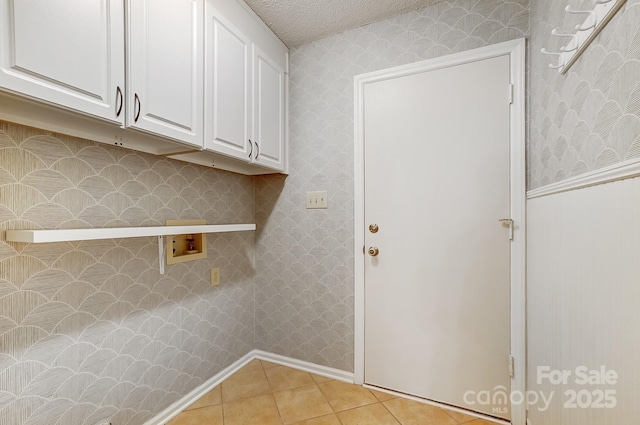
305 283
589 118
90 331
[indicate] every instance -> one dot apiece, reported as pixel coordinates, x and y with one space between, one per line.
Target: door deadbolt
373 251
373 228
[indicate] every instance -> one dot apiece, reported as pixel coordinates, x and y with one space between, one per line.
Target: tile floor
263 393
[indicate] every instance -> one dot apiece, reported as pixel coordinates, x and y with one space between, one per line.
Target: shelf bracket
161 253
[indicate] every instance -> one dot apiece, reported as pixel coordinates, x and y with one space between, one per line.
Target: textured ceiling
297 22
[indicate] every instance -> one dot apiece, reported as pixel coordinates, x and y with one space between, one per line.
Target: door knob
373 251
373 228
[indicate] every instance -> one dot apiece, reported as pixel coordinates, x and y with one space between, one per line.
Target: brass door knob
373 251
373 228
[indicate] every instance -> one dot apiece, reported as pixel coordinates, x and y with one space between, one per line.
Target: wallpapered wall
304 258
91 330
589 118
582 287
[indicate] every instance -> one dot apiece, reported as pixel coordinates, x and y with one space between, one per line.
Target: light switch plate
215 276
317 200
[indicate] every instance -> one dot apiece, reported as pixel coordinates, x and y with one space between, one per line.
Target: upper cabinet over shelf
165 68
205 81
228 86
69 53
245 89
268 110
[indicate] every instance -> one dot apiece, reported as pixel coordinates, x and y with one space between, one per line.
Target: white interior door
437 170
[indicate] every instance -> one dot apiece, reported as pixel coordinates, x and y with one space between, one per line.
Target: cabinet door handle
257 150
137 100
119 96
251 151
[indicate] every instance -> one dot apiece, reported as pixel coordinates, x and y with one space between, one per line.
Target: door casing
516 51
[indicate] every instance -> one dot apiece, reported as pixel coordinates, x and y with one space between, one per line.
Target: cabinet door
269 111
166 68
66 52
227 88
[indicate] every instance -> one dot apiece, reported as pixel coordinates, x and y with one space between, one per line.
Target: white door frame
516 51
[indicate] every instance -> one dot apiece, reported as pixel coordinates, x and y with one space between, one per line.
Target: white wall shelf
67 235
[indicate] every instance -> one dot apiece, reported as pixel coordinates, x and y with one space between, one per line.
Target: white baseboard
172 411
440 405
329 372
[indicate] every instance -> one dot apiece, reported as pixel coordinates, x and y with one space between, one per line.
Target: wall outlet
317 200
215 276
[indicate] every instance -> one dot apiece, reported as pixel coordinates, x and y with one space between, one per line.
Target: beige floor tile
245 385
284 378
319 379
373 414
342 396
211 398
410 412
461 418
211 415
323 420
382 396
267 365
266 393
301 403
253 366
251 411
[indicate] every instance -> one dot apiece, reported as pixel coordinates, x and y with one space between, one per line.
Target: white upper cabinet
269 111
66 52
199 80
245 87
227 87
166 69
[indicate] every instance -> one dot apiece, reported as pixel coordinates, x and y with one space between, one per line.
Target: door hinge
511 94
511 366
509 223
